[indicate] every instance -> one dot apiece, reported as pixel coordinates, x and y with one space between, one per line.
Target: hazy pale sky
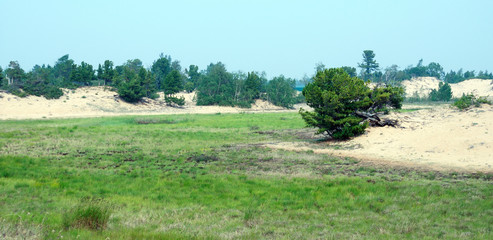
277 36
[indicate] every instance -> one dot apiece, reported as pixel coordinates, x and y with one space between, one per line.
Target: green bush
52 92
131 91
444 93
16 91
90 213
469 100
189 87
337 98
281 92
384 97
216 87
154 96
170 100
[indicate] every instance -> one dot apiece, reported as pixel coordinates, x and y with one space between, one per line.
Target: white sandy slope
440 138
101 101
424 85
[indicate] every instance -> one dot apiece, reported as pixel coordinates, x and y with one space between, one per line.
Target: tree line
215 85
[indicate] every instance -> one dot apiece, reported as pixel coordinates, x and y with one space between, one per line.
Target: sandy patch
441 138
101 101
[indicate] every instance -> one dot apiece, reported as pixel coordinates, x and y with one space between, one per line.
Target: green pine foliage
134 82
40 88
106 72
194 76
62 70
281 91
369 64
189 87
336 97
350 70
131 91
147 82
444 93
161 68
15 90
39 82
173 83
216 87
253 86
52 92
247 88
82 74
386 97
171 100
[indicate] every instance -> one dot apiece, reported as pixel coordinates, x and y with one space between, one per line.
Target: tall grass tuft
90 213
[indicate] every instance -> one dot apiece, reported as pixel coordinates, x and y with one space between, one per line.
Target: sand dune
424 85
102 101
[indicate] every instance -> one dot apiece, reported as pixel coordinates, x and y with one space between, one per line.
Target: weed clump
90 213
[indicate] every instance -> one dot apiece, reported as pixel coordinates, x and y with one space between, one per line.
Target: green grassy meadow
208 177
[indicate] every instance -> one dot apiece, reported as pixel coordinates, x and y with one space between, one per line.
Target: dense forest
215 85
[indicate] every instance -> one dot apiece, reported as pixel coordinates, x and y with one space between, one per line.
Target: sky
286 37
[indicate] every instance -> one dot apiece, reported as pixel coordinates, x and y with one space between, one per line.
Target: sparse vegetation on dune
470 100
208 176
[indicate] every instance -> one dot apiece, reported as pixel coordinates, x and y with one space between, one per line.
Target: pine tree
173 84
369 64
339 100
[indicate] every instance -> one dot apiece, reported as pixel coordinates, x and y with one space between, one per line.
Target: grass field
208 177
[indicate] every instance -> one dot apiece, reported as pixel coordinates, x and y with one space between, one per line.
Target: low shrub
189 87
14 90
52 92
444 93
170 100
154 96
469 100
131 91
